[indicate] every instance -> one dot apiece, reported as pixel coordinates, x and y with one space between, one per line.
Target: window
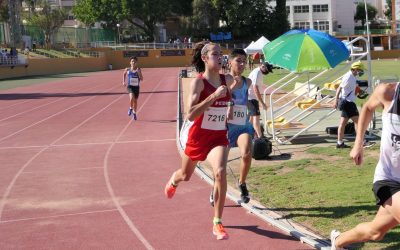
301 9
287 10
301 25
321 25
320 8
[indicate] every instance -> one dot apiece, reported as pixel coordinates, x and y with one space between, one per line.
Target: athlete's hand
229 113
221 91
357 154
236 82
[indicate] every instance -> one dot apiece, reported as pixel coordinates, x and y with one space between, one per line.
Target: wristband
230 103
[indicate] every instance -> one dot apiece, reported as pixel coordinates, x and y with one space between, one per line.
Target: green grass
323 192
380 68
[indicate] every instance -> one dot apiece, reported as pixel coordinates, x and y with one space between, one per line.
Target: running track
77 173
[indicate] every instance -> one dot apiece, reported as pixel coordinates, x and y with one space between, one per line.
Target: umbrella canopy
304 50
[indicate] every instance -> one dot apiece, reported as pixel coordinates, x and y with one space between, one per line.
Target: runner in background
205 127
240 130
132 78
386 185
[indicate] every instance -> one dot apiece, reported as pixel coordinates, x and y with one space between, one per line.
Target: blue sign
221 36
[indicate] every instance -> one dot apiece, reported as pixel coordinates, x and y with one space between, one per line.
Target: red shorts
198 150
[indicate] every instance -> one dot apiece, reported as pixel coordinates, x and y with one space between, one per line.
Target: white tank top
388 167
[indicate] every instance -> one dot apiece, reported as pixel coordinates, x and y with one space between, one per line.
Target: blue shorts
234 131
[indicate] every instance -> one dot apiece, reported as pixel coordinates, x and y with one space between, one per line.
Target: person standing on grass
205 127
255 98
345 100
386 185
240 130
132 78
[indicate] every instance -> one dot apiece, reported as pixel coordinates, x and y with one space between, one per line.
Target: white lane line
51 116
87 144
11 185
58 216
124 215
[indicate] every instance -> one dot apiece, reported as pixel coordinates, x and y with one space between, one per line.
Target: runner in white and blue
132 77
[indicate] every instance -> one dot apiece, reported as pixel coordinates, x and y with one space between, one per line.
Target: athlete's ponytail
197 62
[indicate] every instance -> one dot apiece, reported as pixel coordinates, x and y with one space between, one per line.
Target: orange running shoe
170 190
219 231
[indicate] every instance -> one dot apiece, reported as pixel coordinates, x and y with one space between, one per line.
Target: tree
144 14
205 17
279 20
247 19
85 12
48 20
388 11
3 11
360 13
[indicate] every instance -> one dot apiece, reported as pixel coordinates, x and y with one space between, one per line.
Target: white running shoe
334 235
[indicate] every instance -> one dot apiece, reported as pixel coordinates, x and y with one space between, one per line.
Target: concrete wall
54 66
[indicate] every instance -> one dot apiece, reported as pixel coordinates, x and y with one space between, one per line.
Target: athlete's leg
218 158
185 172
342 124
244 143
131 100
387 217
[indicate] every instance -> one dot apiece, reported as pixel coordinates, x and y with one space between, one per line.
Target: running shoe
244 193
219 231
334 235
212 197
130 111
368 144
134 116
169 190
342 145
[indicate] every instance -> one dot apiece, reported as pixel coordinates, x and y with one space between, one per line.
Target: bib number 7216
214 118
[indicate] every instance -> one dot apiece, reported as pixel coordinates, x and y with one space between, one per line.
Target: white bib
214 118
239 115
134 81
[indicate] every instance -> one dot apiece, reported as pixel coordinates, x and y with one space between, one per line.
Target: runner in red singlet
205 127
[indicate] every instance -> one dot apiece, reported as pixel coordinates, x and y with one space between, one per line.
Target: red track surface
77 173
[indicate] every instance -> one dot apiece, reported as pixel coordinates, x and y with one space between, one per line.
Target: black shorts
134 90
349 110
385 189
253 108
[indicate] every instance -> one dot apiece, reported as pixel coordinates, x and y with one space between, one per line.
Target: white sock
339 142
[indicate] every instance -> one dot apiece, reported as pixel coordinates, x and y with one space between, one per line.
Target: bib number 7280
214 118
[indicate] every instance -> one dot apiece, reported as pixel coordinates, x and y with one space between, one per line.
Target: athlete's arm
140 74
195 108
376 99
124 77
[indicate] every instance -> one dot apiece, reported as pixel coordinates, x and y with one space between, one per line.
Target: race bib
134 81
214 119
239 115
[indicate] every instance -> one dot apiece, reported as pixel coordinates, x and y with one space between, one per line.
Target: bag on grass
261 148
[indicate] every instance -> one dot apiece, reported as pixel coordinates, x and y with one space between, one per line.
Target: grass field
325 190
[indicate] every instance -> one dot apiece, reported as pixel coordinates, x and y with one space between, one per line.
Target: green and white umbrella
305 50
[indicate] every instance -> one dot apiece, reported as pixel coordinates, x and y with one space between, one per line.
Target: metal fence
70 36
